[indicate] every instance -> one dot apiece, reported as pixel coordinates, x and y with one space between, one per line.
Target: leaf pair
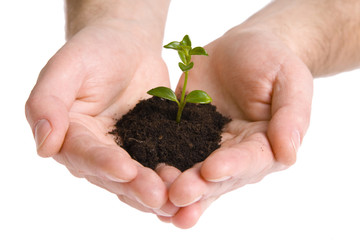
196 96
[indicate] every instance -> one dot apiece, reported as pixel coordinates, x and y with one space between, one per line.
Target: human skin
105 67
260 74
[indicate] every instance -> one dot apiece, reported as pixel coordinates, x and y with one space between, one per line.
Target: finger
242 161
47 107
75 173
118 189
133 203
164 219
115 189
188 188
224 170
291 107
148 189
92 154
84 152
146 192
168 174
188 216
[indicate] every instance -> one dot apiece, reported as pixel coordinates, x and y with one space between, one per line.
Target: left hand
256 80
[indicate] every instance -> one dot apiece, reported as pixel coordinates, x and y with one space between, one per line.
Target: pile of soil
150 134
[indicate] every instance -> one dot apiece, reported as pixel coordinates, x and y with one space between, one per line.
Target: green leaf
198 51
163 92
186 49
186 68
186 41
198 96
188 58
173 45
182 56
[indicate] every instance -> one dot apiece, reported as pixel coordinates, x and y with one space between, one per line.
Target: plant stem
182 100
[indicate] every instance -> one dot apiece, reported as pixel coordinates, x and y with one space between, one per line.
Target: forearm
147 15
325 34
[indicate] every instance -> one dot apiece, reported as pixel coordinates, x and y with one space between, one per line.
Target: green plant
185 52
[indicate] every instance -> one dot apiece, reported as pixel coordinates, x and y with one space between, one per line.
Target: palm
256 81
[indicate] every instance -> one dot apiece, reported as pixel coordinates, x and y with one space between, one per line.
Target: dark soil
150 134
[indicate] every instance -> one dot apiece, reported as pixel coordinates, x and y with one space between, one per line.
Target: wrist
285 22
321 33
146 18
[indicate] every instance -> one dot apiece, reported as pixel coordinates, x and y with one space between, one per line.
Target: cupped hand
256 80
96 77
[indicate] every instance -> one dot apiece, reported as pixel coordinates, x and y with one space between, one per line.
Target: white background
317 198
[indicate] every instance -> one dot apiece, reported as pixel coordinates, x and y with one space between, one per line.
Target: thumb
291 108
49 102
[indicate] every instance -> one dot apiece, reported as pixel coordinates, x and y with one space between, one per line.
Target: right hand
96 77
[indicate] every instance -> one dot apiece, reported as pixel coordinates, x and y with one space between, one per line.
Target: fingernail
115 179
42 131
222 179
295 140
142 203
187 204
162 213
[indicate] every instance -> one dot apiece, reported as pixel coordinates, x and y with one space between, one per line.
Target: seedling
185 52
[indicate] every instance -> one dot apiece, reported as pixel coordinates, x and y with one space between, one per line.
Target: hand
256 80
97 76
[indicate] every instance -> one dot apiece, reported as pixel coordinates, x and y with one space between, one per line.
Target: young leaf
173 45
198 96
186 68
198 51
186 41
186 49
182 56
164 92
